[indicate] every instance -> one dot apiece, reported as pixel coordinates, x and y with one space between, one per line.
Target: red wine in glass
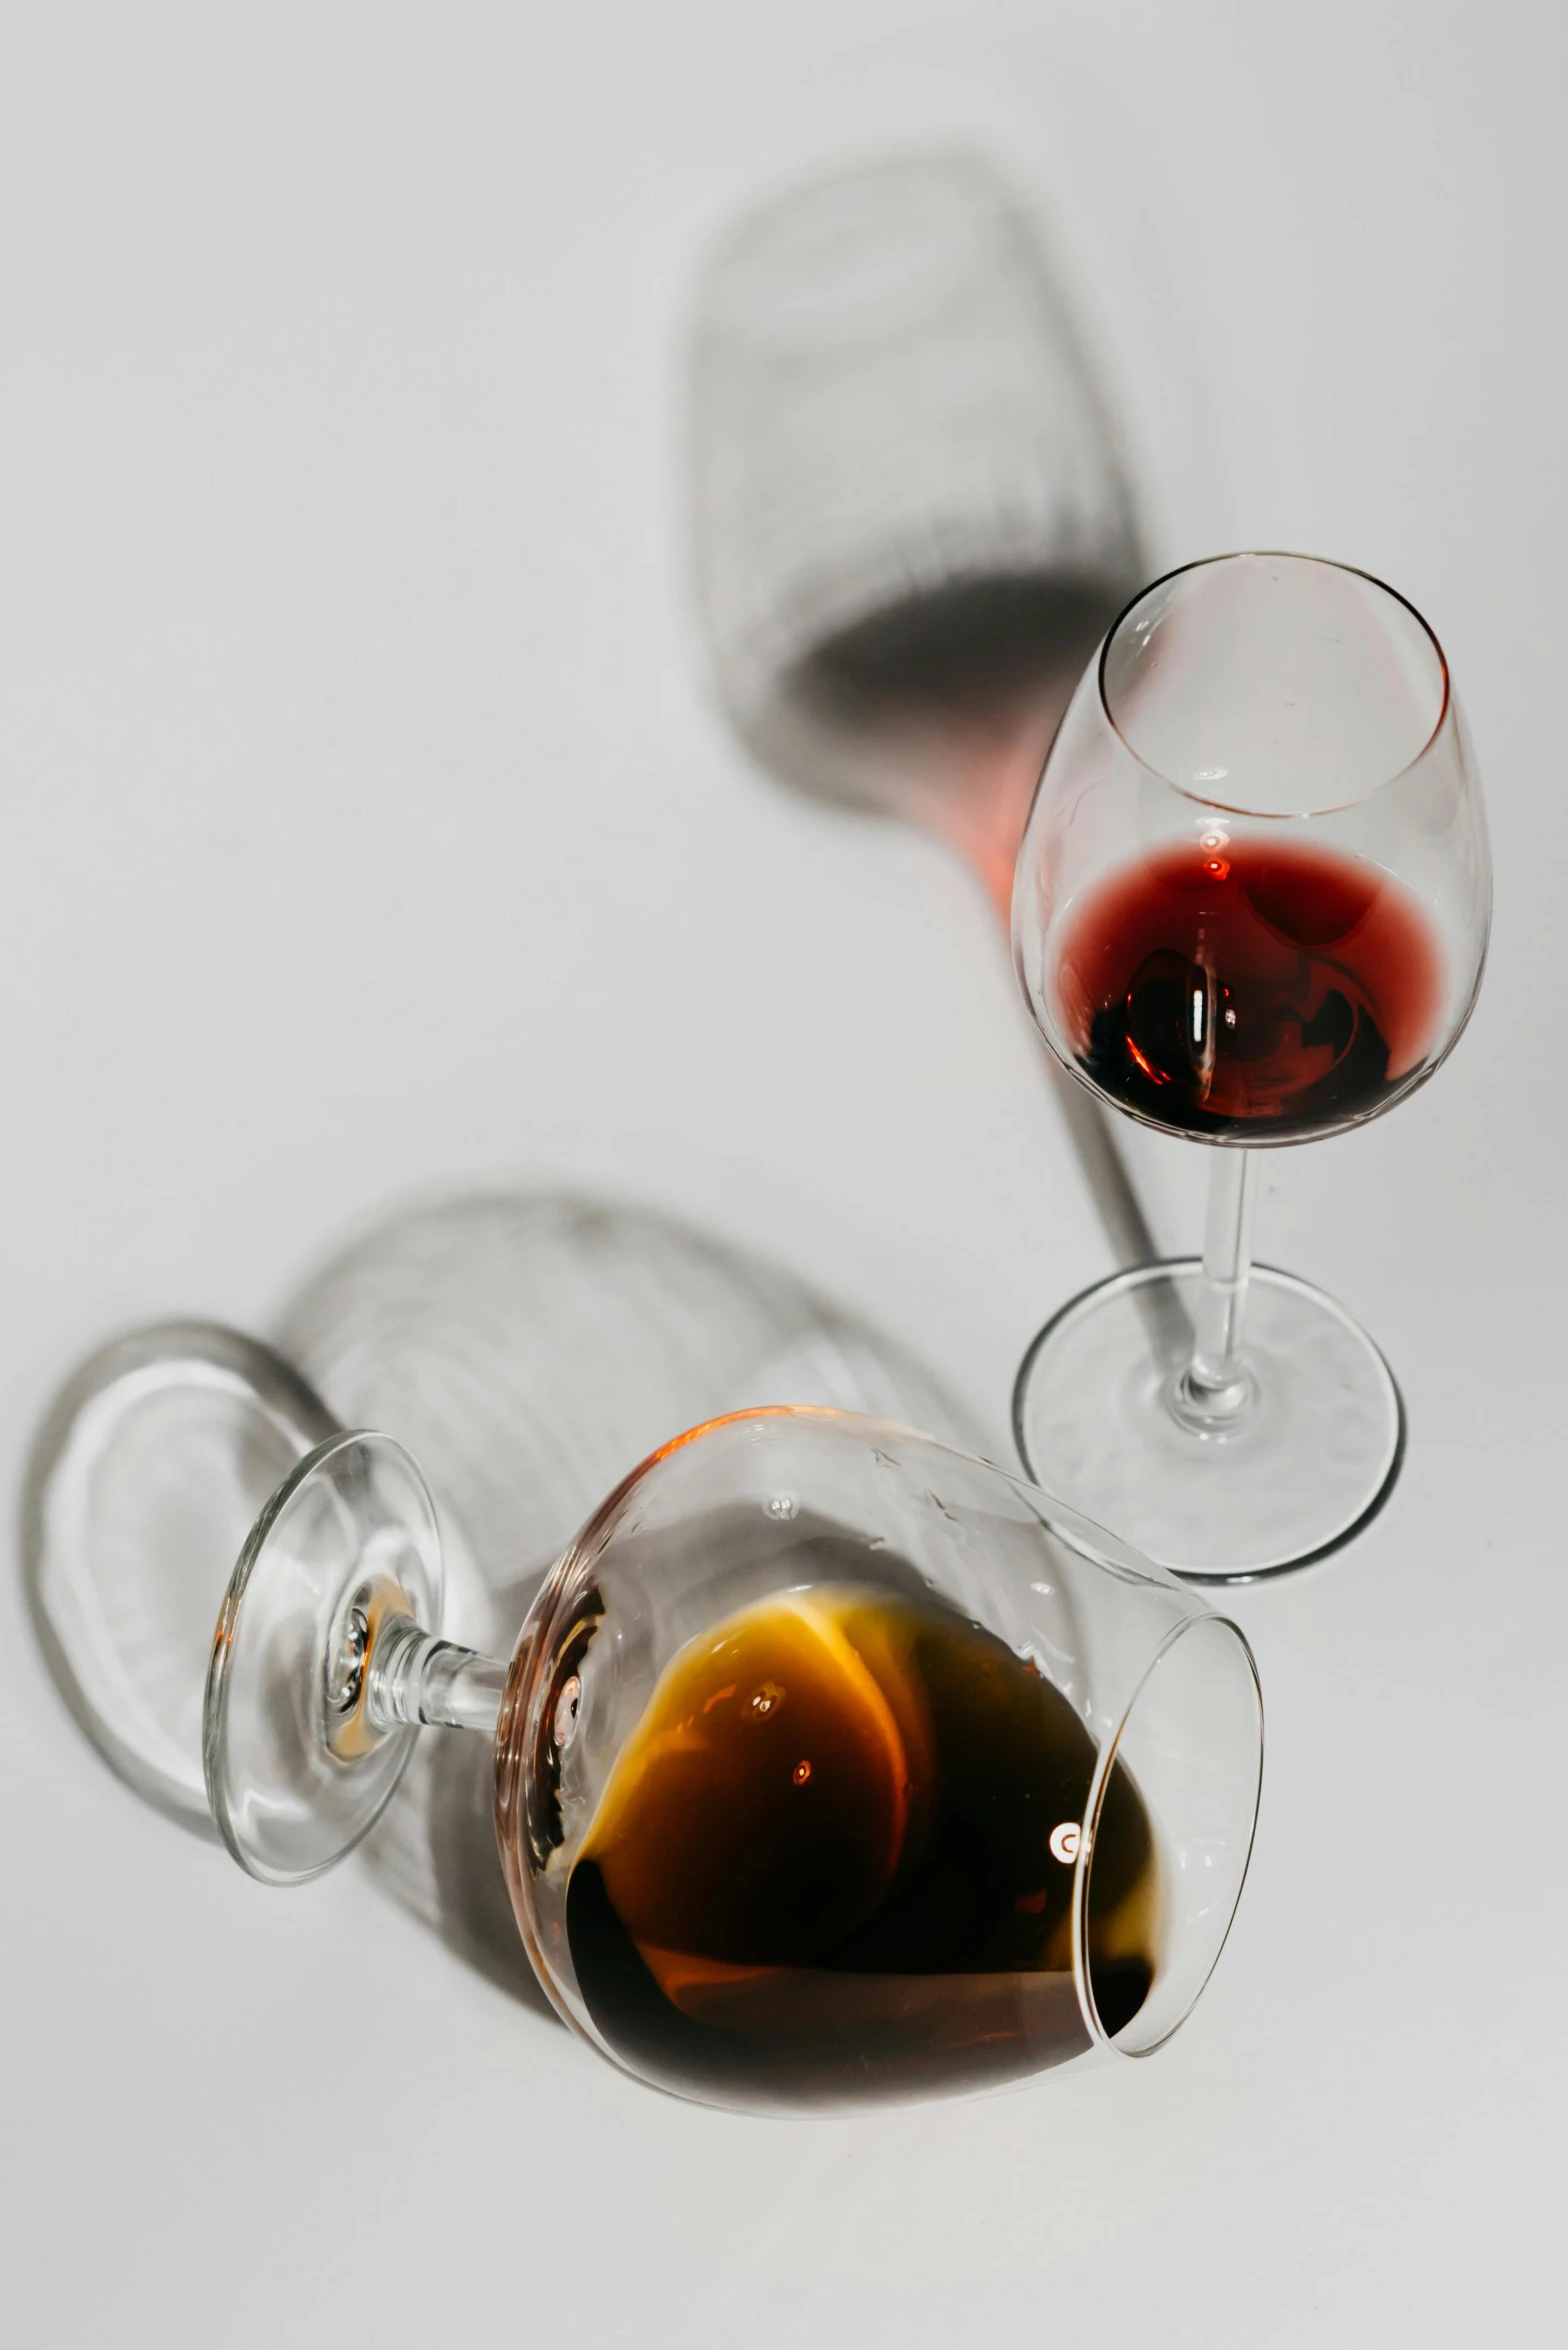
1251 908
1249 988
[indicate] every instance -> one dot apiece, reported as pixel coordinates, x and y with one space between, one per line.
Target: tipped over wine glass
830 1764
1251 910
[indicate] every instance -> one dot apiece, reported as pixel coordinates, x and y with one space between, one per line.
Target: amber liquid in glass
823 1868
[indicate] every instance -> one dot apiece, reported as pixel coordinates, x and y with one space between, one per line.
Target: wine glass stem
414 1677
1215 1384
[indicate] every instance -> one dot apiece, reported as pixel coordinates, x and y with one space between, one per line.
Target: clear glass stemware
831 1764
1251 909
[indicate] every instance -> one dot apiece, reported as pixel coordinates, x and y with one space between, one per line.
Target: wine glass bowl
798 1751
1254 893
1251 909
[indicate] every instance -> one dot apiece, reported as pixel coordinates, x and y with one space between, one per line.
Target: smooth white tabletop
368 825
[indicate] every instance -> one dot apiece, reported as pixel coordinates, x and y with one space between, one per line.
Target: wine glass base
296 1769
1309 1460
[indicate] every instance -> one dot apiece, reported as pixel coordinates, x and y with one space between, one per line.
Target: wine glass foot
1306 1463
297 1768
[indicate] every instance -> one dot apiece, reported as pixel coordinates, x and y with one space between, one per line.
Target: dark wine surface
822 1870
1266 990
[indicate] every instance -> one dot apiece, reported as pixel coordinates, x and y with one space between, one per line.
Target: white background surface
365 825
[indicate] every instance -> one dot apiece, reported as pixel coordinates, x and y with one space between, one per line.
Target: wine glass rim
1272 555
1211 1620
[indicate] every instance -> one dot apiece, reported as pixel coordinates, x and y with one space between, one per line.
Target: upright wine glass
1251 909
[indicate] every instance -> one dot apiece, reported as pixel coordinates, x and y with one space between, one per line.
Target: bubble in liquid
564 1727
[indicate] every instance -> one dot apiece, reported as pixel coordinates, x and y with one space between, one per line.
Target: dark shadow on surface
963 650
911 519
141 1483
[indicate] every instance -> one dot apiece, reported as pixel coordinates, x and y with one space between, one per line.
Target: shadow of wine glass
530 1348
911 520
